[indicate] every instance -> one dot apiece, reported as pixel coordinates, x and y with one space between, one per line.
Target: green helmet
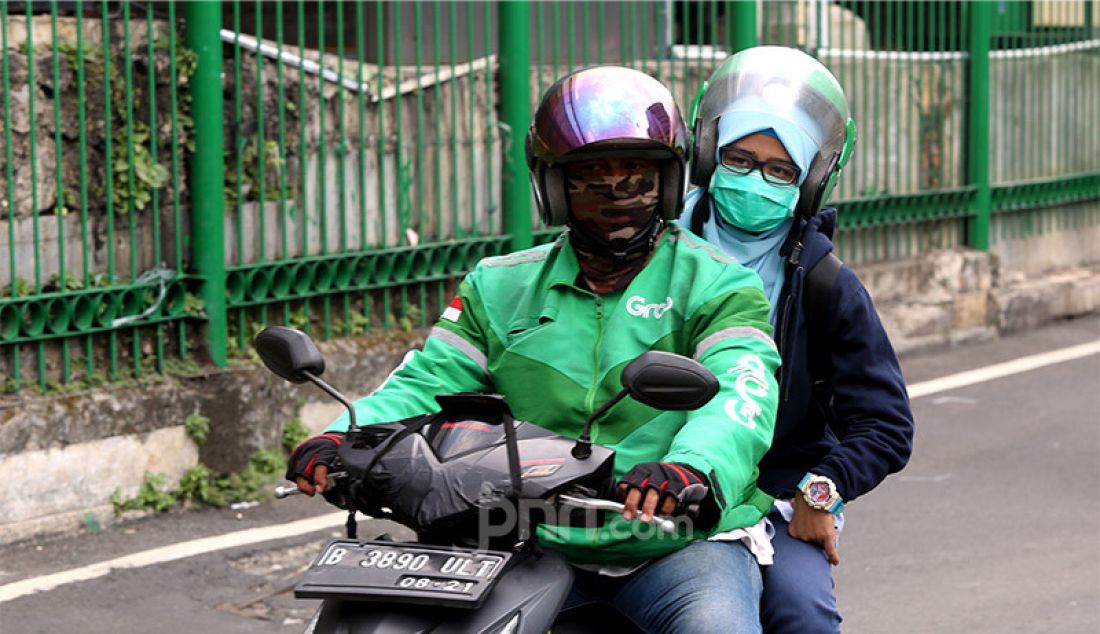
790 89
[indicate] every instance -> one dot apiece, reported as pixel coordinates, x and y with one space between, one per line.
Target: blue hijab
759 251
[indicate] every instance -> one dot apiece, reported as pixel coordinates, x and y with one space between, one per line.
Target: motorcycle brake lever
664 524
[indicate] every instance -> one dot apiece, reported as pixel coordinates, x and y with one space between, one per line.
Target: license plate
411 573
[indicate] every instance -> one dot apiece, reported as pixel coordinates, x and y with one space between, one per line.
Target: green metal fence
176 176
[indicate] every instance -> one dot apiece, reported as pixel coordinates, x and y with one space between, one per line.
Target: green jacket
523 328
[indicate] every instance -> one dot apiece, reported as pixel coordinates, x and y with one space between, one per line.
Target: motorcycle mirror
669 381
292 355
289 353
662 380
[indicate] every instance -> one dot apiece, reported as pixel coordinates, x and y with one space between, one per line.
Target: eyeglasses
776 172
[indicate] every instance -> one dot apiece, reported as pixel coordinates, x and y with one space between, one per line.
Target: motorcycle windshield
454 438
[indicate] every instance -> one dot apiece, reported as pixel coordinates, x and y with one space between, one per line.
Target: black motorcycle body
454 477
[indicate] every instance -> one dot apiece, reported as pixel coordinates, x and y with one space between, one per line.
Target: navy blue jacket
857 427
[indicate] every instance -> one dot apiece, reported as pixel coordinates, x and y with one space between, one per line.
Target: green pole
977 164
515 115
744 25
207 184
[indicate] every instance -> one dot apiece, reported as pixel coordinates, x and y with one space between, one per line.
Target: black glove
319 450
671 479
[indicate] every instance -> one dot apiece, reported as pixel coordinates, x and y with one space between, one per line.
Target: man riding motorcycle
552 327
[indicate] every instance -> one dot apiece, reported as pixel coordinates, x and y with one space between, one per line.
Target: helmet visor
803 94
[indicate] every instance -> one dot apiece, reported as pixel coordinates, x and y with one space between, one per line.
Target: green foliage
255 175
299 319
200 485
294 432
148 174
66 282
178 365
19 288
356 325
154 494
193 305
413 317
198 428
136 140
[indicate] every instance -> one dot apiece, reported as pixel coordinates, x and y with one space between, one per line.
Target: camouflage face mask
614 208
613 225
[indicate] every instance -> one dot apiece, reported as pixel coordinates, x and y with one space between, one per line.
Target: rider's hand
667 487
816 527
309 463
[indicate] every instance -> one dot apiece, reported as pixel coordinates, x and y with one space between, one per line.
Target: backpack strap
700 213
817 296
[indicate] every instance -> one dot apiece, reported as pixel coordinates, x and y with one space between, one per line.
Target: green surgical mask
749 202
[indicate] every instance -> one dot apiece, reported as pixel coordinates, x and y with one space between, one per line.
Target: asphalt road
993 527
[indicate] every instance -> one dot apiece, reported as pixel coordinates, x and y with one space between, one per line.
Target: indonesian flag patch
454 310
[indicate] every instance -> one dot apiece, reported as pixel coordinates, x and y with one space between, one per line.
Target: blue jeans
799 595
705 587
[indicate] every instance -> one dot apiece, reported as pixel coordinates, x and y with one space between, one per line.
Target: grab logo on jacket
751 384
638 307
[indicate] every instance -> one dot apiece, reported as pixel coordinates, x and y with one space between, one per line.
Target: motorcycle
472 483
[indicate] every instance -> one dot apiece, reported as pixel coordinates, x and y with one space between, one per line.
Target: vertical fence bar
261 148
419 55
60 209
476 211
303 116
418 20
239 145
341 164
456 228
361 149
89 350
437 144
33 125
108 175
158 330
280 84
131 209
208 171
515 115
40 352
9 175
383 208
978 121
176 219
492 209
744 25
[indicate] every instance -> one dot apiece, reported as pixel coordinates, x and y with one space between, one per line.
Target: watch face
819 492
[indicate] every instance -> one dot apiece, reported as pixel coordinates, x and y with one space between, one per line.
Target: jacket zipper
589 401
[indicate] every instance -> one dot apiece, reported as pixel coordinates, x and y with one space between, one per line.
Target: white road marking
171 553
990 372
255 535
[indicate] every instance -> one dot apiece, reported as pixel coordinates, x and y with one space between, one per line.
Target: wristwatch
820 493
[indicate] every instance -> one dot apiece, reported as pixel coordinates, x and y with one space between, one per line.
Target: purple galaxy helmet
607 112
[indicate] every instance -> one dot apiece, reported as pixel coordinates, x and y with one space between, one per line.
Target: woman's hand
814 526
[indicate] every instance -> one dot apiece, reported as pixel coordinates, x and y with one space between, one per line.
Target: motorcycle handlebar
595 504
334 479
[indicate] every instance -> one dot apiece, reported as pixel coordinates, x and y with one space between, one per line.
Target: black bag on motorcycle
397 467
